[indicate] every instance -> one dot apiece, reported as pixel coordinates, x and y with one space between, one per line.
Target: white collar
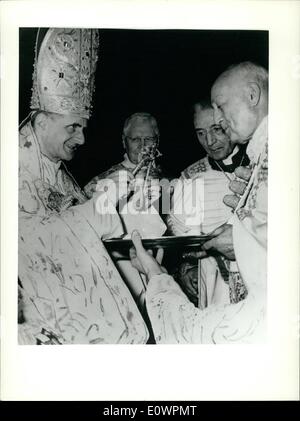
127 163
228 160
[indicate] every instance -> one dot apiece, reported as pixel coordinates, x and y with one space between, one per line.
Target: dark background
162 72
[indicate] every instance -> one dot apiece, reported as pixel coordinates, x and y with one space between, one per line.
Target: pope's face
232 110
63 135
211 136
140 135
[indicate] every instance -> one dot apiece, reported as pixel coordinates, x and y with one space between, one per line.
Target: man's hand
222 242
192 255
237 187
188 280
143 260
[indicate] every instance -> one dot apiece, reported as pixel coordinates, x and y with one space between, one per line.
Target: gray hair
252 72
140 117
202 105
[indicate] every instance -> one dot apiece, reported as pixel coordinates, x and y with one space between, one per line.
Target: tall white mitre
64 71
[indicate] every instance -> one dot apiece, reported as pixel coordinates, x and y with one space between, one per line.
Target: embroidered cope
69 285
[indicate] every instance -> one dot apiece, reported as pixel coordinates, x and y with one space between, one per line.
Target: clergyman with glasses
134 184
140 131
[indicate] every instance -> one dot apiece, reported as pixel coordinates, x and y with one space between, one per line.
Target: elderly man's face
211 136
139 135
62 136
232 109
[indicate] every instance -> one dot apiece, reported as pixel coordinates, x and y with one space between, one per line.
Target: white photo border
185 372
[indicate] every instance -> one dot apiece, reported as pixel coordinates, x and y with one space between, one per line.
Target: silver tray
182 242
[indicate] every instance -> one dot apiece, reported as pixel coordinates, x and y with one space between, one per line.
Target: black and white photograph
142 204
136 144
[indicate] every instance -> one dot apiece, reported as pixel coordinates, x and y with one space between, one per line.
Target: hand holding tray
180 242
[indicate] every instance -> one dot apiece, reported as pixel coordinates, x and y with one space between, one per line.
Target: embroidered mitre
64 71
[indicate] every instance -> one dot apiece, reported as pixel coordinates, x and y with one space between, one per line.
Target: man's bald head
240 100
247 72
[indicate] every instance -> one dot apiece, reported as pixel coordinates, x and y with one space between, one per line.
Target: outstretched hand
222 243
143 260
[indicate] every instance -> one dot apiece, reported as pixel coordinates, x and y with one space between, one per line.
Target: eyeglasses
216 130
146 140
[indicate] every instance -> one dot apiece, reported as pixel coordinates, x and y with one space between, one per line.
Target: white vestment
250 219
176 320
145 219
70 288
198 208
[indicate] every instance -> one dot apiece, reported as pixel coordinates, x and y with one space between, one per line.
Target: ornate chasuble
250 219
71 291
